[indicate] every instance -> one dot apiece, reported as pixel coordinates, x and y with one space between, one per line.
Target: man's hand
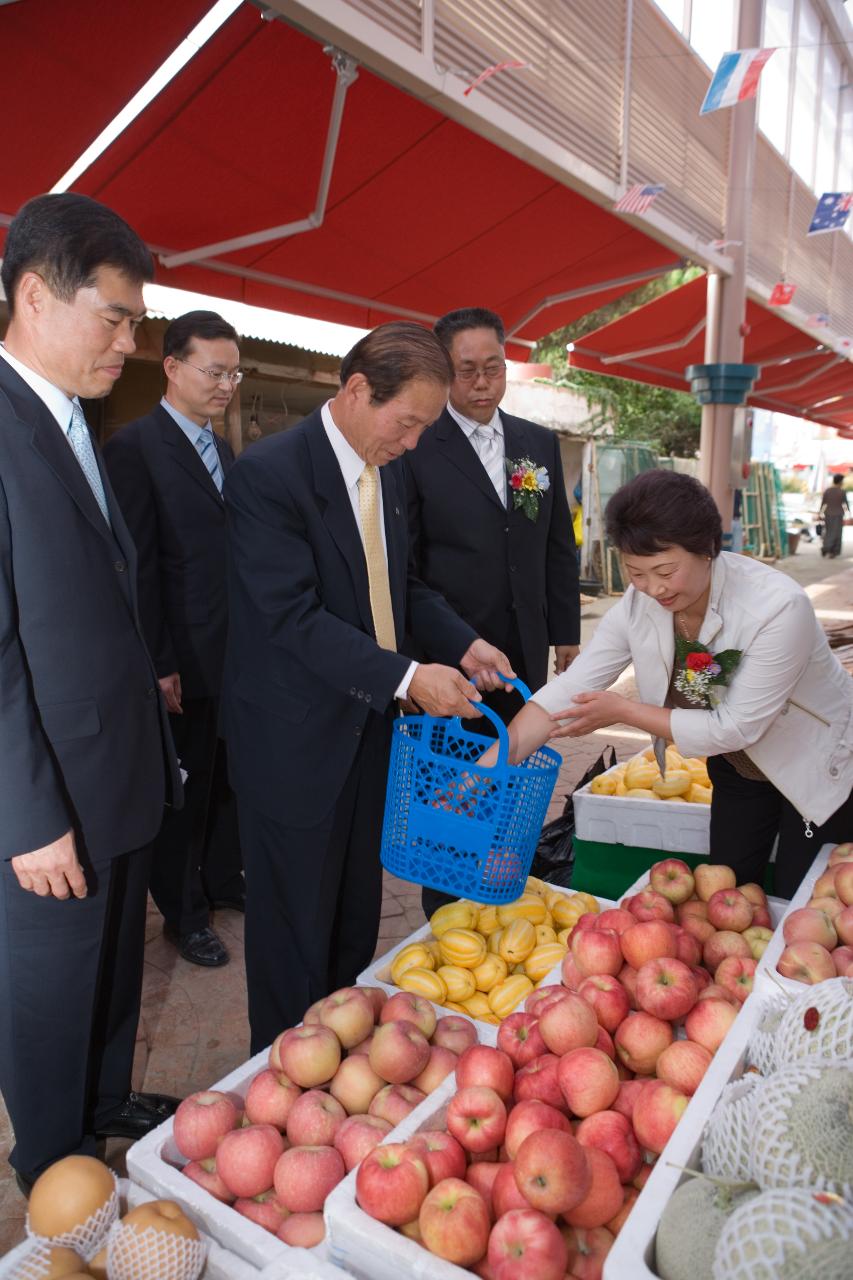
171 686
564 656
483 663
588 712
442 691
53 870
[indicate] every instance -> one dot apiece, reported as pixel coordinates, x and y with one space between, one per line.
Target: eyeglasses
218 375
494 369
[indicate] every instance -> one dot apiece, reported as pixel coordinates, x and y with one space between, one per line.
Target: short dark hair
392 355
66 238
195 324
447 327
659 509
838 478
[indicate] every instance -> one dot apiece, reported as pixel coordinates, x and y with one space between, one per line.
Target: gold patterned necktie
377 565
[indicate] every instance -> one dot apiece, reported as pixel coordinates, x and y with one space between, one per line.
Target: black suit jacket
84 738
303 671
491 562
177 518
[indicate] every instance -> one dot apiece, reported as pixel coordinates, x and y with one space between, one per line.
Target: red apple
627 975
711 876
694 907
604 1197
482 1176
597 951
725 943
541 996
454 1033
488 1067
673 879
842 958
377 997
656 1113
201 1120
394 1102
758 938
443 1156
629 1092
840 854
698 928
358 1135
808 925
355 1084
611 1131
476 1116
204 1173
648 940
687 948
552 1170
825 885
309 1055
391 1184
454 1222
616 1223
525 1245
709 1021
399 1050
311 1016
273 1061
505 1192
315 1118
761 915
616 918
650 905
682 1065
830 906
703 978
302 1230
604 1042
265 1210
270 1099
568 1024
715 992
520 1038
589 1080
407 1007
736 976
754 894
571 975
588 1250
538 1081
304 1176
529 1117
442 1063
363 1048
807 962
729 909
246 1159
666 988
641 1039
843 925
349 1013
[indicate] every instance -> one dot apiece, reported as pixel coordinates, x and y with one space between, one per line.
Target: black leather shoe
138 1115
229 904
25 1184
201 947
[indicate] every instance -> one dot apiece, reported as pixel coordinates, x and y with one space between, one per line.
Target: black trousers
197 851
314 895
70 989
746 817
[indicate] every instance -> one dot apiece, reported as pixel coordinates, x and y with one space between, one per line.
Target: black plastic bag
554 856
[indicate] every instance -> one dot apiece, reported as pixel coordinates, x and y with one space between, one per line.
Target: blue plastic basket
453 825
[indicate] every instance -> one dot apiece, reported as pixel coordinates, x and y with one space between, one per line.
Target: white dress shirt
53 399
497 470
351 466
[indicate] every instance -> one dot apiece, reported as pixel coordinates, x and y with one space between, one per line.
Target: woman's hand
588 712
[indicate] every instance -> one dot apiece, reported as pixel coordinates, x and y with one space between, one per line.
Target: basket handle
503 736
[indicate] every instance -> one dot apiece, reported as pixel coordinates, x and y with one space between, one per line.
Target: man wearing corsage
730 663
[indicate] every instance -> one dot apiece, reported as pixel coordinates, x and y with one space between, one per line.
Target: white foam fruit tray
220 1264
155 1164
669 825
766 977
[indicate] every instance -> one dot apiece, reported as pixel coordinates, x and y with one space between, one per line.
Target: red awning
656 342
422 215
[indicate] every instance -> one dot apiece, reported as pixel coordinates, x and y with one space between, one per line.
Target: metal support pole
718 419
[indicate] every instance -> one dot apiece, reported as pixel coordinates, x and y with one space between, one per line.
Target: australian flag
833 209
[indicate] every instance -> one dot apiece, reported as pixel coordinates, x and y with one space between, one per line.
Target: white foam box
368 1249
632 1256
767 964
670 825
220 1263
155 1164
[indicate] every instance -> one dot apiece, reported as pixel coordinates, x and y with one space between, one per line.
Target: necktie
377 565
81 443
489 449
207 451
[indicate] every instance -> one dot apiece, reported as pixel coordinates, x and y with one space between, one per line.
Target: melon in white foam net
727 1140
690 1226
803 1128
761 1053
818 1023
790 1234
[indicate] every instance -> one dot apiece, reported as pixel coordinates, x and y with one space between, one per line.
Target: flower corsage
703 672
527 483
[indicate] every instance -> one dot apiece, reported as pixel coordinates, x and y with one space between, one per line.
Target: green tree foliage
668 420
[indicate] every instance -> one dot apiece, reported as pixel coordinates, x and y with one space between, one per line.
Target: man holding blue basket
321 596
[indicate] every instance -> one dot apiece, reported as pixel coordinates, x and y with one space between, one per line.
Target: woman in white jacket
774 716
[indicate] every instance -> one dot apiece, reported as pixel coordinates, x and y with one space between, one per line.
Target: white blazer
789 704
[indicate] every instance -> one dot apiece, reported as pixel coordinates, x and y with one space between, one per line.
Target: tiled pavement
194 1029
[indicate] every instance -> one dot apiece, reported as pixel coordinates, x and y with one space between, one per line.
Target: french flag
735 79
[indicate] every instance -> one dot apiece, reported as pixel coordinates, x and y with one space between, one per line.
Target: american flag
831 212
819 320
638 198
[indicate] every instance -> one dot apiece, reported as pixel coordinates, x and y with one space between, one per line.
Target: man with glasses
168 470
502 556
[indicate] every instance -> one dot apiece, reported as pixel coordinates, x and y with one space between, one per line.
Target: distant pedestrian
833 506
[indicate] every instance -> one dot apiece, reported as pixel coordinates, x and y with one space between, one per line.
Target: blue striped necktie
209 456
81 443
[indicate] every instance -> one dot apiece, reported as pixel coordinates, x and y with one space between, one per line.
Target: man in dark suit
167 470
85 758
504 558
320 596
